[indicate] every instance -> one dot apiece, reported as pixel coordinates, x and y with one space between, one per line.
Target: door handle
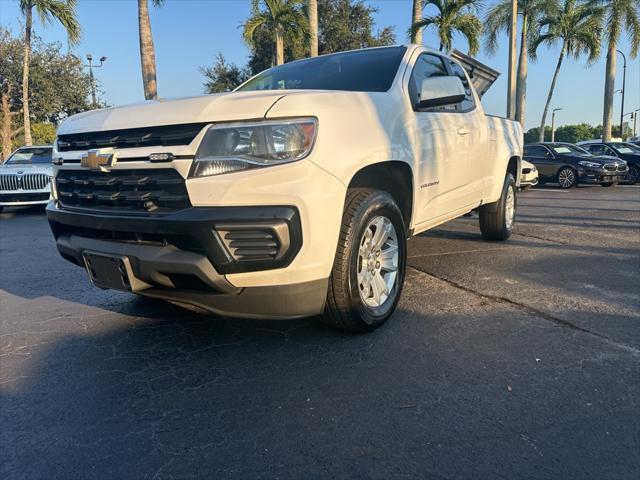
463 131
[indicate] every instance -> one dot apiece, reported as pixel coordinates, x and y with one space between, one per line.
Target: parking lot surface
504 360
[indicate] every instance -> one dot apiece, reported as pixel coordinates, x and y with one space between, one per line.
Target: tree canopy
223 76
59 85
342 25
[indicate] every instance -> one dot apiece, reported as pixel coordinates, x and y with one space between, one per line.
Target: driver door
442 144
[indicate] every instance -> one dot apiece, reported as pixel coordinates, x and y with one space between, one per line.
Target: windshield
370 70
632 146
28 156
568 148
624 148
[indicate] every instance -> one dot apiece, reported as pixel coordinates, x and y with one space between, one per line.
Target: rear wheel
497 219
369 268
567 177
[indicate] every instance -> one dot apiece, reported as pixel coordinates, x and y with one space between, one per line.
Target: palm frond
251 25
64 11
496 22
470 27
420 24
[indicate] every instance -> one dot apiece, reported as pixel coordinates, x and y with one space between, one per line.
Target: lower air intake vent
255 242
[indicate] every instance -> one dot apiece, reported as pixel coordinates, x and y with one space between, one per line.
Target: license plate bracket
108 271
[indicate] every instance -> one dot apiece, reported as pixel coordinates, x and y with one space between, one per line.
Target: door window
537 151
600 150
427 66
469 102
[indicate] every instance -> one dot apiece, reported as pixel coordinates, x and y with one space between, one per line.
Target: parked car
25 177
292 196
529 175
570 165
623 150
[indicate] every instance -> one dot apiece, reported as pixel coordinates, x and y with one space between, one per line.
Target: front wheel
370 263
567 177
633 175
497 219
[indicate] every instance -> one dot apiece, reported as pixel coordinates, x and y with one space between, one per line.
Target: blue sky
189 33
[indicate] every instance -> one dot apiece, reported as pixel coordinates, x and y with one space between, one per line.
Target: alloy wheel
377 261
510 208
566 178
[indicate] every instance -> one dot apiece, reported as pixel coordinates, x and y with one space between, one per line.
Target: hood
27 168
208 108
526 164
605 159
601 159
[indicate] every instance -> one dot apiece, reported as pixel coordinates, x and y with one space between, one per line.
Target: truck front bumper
185 256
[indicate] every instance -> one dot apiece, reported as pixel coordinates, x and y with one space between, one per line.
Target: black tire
567 177
609 184
345 308
493 216
633 175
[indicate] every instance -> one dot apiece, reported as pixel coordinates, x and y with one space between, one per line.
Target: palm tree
313 27
147 51
577 26
619 15
64 11
416 35
285 18
454 16
498 20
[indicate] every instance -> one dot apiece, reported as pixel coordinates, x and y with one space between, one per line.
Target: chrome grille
165 135
610 167
30 181
9 182
622 168
150 190
34 181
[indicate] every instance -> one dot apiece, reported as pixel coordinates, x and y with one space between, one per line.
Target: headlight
584 163
231 147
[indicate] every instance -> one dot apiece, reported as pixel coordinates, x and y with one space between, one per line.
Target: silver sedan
25 177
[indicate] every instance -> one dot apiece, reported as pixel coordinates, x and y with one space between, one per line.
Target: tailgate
481 75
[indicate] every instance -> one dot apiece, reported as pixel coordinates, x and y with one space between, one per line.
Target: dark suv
569 165
628 152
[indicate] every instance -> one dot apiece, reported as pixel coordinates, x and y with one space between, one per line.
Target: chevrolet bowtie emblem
99 159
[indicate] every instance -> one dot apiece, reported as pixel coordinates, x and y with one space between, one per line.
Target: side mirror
441 91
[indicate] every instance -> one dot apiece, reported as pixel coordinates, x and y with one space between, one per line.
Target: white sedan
528 176
25 177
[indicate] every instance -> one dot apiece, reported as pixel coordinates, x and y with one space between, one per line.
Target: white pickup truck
292 196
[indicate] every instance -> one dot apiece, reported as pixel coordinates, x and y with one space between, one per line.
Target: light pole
511 94
633 116
92 79
553 124
624 81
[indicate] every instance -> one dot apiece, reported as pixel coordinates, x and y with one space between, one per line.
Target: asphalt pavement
504 360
